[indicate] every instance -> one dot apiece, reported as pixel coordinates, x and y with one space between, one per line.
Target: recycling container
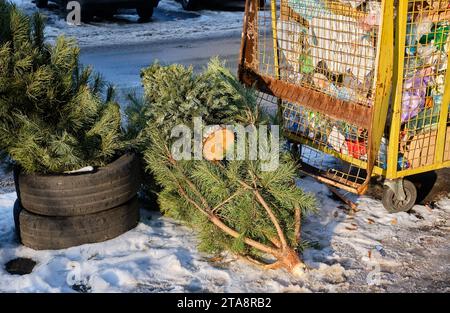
361 86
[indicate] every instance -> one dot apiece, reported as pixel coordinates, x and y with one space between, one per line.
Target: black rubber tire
87 15
262 3
392 205
54 233
107 13
80 194
145 11
41 3
189 5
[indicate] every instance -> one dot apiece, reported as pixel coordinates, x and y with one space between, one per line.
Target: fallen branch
286 256
345 200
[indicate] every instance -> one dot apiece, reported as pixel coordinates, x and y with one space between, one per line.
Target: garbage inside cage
334 48
330 46
334 67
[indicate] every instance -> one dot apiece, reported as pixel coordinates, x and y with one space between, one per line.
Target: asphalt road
121 65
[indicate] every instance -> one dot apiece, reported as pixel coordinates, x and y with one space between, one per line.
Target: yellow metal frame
273 8
383 74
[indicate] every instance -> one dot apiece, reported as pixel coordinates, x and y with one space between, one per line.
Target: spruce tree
55 115
233 205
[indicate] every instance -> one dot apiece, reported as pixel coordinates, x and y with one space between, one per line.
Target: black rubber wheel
189 5
107 13
41 3
87 15
145 11
262 3
80 194
393 205
53 233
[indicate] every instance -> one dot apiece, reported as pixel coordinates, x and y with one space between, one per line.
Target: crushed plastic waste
437 36
334 52
357 149
427 43
414 93
308 9
337 140
338 41
381 250
336 37
373 17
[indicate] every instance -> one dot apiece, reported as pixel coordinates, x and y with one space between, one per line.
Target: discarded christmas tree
234 205
53 117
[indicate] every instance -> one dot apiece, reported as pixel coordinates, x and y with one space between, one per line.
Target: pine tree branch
273 266
298 223
216 221
272 218
269 211
275 241
263 264
188 181
191 201
220 205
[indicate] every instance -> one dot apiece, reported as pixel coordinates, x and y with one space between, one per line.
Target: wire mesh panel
320 59
424 118
328 46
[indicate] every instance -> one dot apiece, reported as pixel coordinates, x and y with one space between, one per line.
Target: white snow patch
160 255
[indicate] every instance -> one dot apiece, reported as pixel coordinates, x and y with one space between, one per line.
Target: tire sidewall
84 193
54 233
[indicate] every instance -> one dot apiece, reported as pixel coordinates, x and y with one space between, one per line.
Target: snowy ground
369 250
169 22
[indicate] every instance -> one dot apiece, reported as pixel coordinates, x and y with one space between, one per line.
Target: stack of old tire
61 211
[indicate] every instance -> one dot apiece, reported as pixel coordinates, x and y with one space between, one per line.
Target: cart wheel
393 205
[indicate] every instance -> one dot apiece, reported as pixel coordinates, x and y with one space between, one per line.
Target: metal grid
425 69
307 131
325 143
327 46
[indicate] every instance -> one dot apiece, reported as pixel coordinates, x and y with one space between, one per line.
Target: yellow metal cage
361 86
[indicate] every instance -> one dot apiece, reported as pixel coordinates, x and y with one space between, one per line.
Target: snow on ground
369 250
169 22
158 256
